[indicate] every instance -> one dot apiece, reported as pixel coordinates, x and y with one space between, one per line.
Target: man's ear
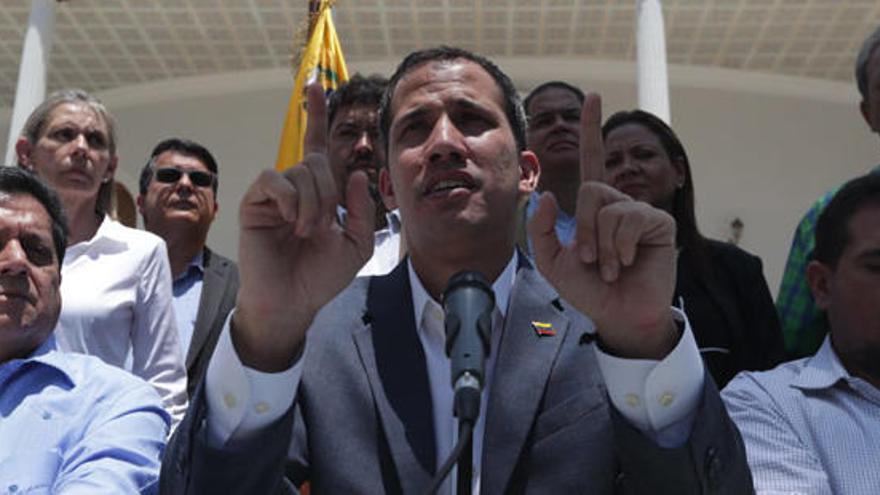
23 152
386 190
530 171
865 108
819 278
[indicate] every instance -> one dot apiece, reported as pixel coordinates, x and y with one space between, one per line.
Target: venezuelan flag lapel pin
543 329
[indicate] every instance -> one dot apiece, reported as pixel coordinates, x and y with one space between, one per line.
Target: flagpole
30 89
651 59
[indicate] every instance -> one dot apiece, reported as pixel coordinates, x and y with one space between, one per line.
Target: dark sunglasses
171 175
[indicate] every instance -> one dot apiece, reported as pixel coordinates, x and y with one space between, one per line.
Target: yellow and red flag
321 61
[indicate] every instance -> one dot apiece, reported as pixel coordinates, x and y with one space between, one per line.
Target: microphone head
468 278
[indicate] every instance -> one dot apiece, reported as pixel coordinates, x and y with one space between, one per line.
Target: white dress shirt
386 244
117 305
386 248
659 397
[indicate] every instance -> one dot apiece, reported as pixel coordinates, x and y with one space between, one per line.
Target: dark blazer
219 289
362 420
730 310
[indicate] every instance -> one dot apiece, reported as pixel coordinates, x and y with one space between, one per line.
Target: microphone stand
467 408
468 303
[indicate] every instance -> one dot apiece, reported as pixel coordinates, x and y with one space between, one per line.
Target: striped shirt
809 427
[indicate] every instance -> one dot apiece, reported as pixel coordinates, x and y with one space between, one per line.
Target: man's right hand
294 257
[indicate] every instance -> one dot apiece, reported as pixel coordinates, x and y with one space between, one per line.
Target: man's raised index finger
316 124
592 148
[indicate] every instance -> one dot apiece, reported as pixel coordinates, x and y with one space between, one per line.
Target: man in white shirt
366 398
353 143
178 202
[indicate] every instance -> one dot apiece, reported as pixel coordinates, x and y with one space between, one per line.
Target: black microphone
468 302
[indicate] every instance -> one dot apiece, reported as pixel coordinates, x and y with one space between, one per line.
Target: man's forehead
862 227
78 113
175 158
433 76
553 98
357 113
25 210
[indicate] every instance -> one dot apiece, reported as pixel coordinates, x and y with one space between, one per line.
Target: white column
31 88
651 59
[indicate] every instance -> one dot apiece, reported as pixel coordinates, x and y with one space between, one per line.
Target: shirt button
667 399
13 488
261 407
632 400
436 313
47 415
229 400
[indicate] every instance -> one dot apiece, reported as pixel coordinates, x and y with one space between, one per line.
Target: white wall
762 147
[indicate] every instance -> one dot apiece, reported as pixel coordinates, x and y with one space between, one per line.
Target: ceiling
102 44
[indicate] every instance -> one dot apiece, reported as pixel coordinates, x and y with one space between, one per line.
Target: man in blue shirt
70 423
178 202
553 110
813 425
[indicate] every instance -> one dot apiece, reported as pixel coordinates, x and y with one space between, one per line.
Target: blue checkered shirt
809 427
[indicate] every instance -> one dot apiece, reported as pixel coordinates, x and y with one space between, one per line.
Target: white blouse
116 304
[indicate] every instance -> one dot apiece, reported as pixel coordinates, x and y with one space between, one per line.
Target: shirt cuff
660 398
241 400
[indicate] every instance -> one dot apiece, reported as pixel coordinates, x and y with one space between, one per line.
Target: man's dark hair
184 147
17 180
512 105
551 85
358 90
832 229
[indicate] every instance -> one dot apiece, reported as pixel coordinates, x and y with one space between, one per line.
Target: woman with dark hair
721 287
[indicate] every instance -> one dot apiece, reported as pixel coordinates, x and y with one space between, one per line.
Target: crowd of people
142 361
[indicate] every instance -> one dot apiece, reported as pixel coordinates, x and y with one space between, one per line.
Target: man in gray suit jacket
618 402
178 202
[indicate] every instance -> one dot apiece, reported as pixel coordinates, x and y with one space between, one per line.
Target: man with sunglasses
178 202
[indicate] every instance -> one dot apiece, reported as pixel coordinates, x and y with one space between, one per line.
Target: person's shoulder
342 314
90 372
135 239
213 258
730 253
773 383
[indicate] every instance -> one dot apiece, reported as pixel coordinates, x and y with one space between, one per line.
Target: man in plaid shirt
803 325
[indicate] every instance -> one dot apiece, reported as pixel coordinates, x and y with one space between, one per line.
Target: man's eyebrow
468 104
414 114
869 254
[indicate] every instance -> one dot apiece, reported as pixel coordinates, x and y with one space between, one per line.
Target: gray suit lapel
213 286
394 362
522 370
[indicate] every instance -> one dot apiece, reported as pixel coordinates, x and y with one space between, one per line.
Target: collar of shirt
394 221
501 287
195 266
823 370
104 233
392 218
45 355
